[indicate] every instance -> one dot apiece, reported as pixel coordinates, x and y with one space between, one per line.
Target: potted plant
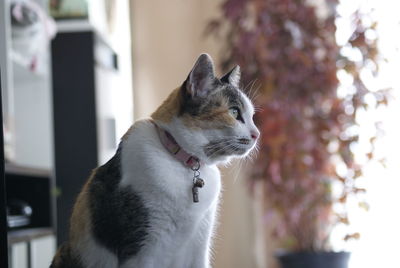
307 118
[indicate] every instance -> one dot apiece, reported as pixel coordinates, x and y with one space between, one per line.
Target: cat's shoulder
140 127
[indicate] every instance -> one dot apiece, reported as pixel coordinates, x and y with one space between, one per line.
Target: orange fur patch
57 258
217 117
80 219
169 108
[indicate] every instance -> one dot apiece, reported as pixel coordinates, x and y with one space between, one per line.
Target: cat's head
210 117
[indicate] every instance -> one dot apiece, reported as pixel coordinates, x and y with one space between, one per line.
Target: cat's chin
243 152
222 160
225 160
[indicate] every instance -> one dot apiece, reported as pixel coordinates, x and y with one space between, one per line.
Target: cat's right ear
201 77
232 77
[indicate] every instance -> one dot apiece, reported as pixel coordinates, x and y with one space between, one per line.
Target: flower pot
314 260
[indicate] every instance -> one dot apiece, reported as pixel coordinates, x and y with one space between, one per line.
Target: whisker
248 84
258 108
219 136
218 144
238 168
215 147
256 94
253 154
254 90
221 149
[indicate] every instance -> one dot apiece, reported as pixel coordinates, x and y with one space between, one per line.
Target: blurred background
323 74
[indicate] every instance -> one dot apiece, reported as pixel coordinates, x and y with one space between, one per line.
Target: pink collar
177 151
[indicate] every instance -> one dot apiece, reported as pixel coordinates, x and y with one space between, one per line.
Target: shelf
79 25
26 171
24 235
20 60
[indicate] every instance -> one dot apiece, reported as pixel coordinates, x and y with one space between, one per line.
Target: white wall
167 38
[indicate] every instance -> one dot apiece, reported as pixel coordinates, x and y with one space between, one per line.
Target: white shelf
11 168
81 25
27 234
22 68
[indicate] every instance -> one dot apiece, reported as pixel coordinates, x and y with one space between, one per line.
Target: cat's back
138 190
142 153
107 216
141 137
141 129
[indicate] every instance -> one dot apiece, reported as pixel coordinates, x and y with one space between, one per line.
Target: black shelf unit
34 187
28 234
51 193
75 129
75 58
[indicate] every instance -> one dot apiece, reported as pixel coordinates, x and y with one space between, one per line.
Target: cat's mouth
227 147
244 141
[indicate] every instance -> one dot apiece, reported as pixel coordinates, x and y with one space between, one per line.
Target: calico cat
153 205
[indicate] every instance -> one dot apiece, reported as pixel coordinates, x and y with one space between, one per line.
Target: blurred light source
379 228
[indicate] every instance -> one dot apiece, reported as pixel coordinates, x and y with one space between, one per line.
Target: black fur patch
234 97
119 219
198 106
195 105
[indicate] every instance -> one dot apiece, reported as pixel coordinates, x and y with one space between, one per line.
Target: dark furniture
77 139
75 130
31 245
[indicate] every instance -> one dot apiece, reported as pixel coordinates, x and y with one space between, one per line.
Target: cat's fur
137 210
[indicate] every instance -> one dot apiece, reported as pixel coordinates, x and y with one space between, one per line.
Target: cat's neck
171 145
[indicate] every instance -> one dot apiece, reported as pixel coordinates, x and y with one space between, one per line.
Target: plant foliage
307 118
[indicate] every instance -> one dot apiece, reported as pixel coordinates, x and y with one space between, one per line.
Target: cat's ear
201 77
232 77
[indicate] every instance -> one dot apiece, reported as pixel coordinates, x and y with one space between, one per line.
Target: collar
176 150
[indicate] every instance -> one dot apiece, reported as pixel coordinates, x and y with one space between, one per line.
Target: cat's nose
254 134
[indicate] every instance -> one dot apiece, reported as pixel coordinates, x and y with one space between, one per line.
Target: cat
154 204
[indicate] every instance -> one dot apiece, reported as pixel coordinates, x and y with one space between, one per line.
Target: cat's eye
234 112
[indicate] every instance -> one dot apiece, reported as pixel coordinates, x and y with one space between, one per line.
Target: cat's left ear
201 78
232 77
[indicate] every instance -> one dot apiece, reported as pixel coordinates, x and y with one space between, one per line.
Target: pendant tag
197 182
195 191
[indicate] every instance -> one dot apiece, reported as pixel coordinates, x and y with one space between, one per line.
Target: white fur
193 140
180 231
234 78
93 254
